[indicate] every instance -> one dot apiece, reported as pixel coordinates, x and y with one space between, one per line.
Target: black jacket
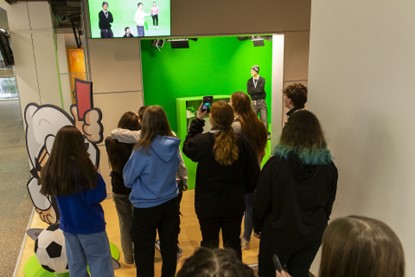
118 155
257 92
293 200
220 190
104 22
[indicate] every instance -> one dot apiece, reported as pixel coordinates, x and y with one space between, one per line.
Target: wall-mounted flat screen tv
128 18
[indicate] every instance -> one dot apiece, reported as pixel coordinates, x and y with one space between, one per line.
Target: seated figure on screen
139 18
127 33
105 20
155 15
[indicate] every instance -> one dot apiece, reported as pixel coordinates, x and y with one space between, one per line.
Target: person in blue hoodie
72 178
294 197
151 174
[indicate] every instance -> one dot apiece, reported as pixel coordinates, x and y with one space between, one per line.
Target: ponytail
225 149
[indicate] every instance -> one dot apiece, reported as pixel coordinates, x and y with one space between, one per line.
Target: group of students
287 204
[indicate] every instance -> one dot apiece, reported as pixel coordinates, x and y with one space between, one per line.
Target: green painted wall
211 66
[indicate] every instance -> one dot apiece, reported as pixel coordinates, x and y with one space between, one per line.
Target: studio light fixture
180 42
158 43
257 40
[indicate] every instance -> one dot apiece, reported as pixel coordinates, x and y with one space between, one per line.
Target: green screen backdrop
123 12
211 66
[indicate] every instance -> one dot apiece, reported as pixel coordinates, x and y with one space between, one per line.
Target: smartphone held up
207 103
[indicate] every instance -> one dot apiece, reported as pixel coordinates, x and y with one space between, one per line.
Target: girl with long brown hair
151 174
71 177
227 169
247 123
295 194
118 155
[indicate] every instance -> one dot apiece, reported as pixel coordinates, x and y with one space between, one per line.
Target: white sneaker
157 244
245 244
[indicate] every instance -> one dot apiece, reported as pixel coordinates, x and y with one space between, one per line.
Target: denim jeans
125 212
249 204
140 31
261 106
92 250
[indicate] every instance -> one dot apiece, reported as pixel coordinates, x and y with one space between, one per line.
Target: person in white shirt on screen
139 18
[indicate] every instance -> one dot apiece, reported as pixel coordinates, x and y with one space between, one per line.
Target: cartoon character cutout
42 123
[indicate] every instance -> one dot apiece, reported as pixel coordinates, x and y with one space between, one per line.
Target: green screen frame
210 66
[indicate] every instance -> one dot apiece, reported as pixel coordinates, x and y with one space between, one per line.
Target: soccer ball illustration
50 249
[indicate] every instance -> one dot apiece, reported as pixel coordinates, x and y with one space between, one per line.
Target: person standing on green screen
139 19
155 15
256 89
105 20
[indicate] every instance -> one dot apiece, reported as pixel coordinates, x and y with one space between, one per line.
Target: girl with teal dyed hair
294 197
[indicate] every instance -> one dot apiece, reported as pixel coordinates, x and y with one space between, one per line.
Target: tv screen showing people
128 18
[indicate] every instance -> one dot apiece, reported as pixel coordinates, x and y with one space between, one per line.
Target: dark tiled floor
15 204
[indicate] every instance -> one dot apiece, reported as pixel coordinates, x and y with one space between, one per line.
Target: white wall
34 50
64 75
115 70
3 19
361 87
277 86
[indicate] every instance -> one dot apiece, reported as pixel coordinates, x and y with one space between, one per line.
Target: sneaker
157 244
245 244
179 252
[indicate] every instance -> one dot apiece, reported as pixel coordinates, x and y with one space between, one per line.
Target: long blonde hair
225 149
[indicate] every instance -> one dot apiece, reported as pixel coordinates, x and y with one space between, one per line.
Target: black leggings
231 230
155 19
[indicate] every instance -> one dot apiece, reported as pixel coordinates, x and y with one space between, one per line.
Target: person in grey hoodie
151 174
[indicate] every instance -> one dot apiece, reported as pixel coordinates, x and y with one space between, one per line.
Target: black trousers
165 219
231 230
106 33
155 19
296 259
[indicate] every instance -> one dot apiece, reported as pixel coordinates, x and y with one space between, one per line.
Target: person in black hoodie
294 197
227 169
118 154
